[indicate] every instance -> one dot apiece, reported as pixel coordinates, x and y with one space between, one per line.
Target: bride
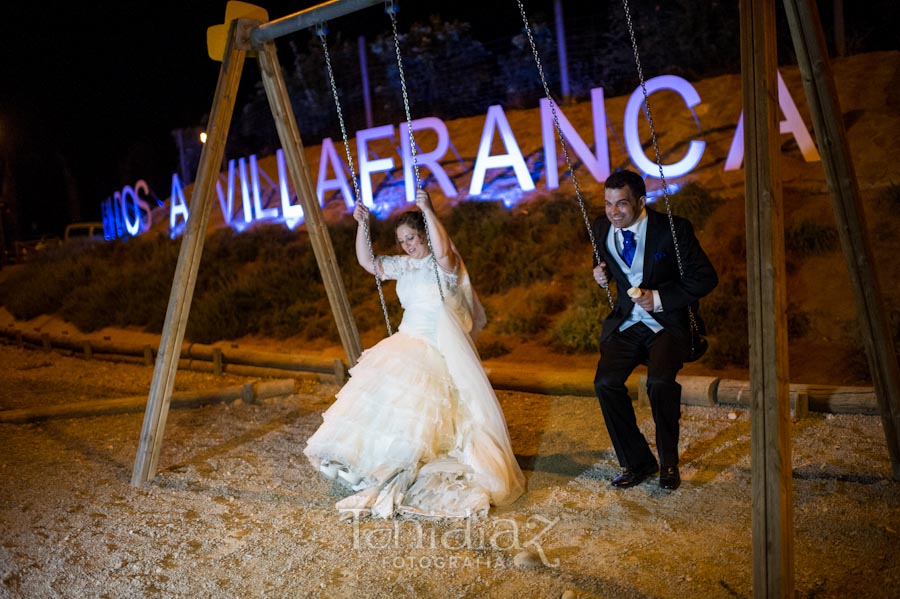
418 430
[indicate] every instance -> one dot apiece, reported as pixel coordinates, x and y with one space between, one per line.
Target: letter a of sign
496 118
792 123
178 205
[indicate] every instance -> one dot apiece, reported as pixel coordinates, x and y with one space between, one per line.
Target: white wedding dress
418 430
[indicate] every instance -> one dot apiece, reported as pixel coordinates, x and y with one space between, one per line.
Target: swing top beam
307 18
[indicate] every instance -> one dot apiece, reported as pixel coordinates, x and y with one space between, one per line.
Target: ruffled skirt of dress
420 432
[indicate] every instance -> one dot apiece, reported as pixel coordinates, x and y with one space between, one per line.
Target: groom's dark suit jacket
661 273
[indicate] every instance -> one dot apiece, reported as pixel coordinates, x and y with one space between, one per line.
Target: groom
649 324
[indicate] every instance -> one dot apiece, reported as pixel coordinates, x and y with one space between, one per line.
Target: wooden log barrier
820 398
290 362
250 371
695 390
126 405
194 356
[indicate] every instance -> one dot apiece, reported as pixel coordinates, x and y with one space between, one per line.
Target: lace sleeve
391 267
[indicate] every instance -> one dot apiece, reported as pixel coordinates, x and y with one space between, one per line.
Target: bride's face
411 241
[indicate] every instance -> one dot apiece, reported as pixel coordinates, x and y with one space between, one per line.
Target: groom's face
622 208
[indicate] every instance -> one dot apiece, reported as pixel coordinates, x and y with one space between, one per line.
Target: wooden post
340 372
189 255
286 124
840 38
799 405
248 393
217 360
772 522
821 94
148 355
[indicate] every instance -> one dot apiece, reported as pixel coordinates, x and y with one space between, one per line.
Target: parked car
84 231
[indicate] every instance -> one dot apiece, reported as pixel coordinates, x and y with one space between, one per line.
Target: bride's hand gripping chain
364 254
360 213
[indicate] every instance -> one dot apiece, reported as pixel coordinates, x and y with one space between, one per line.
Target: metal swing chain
665 187
392 12
562 142
320 30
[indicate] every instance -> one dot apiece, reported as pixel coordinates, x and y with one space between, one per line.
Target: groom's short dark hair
630 179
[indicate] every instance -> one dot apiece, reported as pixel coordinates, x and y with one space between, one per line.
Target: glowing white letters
128 213
259 213
633 139
293 213
428 160
329 156
597 165
177 205
140 209
792 123
367 166
226 199
513 158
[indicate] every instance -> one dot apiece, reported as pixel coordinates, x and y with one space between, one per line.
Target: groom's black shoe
635 476
669 478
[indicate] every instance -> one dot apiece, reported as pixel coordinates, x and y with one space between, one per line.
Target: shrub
42 285
491 347
523 323
531 314
135 292
810 238
505 249
855 363
798 321
577 328
891 196
724 312
693 202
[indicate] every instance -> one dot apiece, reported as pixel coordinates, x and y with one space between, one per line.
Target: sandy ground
236 511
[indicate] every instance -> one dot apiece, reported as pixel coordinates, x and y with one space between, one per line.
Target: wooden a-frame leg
770 420
825 109
189 257
288 133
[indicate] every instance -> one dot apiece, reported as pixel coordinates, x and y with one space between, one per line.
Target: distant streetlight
203 137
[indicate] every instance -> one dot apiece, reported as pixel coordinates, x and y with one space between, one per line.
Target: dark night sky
90 93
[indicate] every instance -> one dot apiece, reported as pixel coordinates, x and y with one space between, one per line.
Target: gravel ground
236 511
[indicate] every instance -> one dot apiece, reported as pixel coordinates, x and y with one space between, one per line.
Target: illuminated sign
126 212
258 191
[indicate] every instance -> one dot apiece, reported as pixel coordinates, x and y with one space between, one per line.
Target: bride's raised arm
363 253
443 249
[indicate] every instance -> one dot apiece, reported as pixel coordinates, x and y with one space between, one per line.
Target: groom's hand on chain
601 275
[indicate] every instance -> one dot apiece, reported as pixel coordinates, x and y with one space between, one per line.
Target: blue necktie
628 246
